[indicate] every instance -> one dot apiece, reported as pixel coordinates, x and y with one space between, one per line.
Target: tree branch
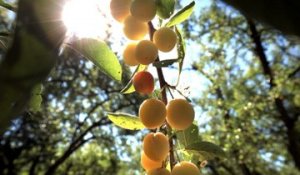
255 36
77 143
294 72
33 165
163 85
293 145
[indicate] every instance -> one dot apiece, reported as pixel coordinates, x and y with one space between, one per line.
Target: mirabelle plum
134 29
143 82
152 113
165 39
143 10
156 146
129 55
146 52
160 171
185 168
180 114
120 9
149 164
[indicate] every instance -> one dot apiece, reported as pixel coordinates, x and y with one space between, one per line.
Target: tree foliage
251 86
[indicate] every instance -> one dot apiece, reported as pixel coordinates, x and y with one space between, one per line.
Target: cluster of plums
179 113
156 149
135 15
153 113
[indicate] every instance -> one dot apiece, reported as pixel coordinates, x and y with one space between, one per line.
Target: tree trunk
289 121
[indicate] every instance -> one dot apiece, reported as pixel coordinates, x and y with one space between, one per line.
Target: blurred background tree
250 102
75 100
252 77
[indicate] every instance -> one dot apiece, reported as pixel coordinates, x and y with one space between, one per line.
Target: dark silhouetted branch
293 145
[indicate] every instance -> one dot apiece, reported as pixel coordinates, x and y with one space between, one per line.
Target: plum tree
180 114
120 9
149 164
185 168
143 82
134 29
152 113
156 146
146 52
129 55
159 171
143 10
165 39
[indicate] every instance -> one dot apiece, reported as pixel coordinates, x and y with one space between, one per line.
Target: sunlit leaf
207 150
35 103
129 87
180 51
101 55
182 15
36 98
165 8
189 135
126 121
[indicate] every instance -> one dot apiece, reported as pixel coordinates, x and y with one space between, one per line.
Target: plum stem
163 84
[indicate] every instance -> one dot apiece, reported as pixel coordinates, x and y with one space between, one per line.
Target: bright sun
86 18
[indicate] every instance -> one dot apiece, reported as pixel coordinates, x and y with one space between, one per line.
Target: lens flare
85 18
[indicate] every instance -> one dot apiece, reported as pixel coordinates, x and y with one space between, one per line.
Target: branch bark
294 72
77 143
33 165
163 86
289 121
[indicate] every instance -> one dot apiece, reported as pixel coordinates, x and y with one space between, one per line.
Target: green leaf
7 6
36 98
297 100
101 55
182 15
129 88
165 63
35 103
126 121
165 8
37 89
30 63
180 51
206 150
189 135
